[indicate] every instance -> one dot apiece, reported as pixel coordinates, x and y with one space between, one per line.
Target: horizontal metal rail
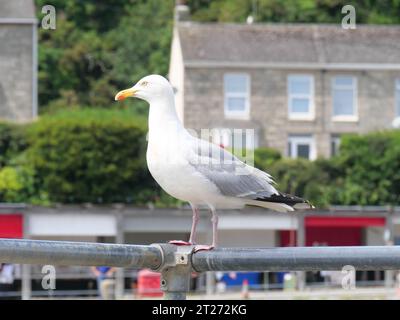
224 259
78 253
176 263
298 259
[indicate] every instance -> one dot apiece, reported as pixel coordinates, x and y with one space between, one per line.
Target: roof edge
280 24
291 65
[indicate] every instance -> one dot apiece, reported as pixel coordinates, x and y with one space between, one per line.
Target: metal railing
176 263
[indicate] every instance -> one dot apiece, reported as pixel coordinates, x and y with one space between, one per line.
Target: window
301 146
344 98
397 98
335 144
301 97
237 95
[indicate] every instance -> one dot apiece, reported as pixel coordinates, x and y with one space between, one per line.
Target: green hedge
12 141
366 172
265 157
371 168
90 156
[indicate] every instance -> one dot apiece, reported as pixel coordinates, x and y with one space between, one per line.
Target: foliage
12 141
371 168
306 11
17 184
89 156
265 157
313 180
99 46
366 172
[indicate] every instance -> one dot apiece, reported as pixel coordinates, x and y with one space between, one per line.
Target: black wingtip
293 201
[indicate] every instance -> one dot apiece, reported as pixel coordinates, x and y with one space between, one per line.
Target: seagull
197 171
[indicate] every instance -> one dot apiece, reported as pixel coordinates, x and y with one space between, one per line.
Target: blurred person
102 274
6 278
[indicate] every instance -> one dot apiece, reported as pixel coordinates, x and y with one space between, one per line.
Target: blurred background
319 86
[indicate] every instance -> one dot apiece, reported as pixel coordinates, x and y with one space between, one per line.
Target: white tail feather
281 207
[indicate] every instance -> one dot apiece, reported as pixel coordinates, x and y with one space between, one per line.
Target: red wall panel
11 226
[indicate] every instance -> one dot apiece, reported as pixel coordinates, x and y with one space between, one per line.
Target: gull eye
144 83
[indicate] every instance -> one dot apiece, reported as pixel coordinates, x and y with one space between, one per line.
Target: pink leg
214 221
195 221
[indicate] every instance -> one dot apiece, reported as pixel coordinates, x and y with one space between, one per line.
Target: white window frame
295 140
310 115
397 98
345 118
245 114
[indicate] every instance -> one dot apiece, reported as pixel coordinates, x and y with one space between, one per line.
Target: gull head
148 88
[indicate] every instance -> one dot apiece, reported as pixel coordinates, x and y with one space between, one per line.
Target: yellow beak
125 94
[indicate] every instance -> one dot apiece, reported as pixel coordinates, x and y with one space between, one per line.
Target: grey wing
232 176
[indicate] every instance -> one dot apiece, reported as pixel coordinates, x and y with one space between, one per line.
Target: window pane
303 151
236 104
300 105
343 104
235 83
299 86
335 144
344 81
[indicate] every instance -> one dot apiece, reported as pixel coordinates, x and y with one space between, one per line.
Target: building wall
247 238
16 72
176 73
70 224
204 104
374 236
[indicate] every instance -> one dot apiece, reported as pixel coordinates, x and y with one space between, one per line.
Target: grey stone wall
204 105
16 72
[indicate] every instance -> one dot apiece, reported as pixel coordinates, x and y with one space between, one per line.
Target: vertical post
26 285
389 240
175 281
210 275
176 270
120 273
26 282
266 281
301 240
210 282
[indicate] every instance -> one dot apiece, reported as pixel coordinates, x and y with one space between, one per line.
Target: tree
99 46
306 11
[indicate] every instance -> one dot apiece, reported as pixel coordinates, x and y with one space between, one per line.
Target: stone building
299 86
18 60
